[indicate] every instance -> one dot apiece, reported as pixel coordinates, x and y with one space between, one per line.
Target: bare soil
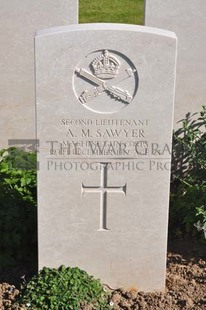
185 283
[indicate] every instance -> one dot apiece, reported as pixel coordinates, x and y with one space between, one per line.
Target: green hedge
188 184
18 207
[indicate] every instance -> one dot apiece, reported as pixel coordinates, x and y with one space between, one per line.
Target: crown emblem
105 66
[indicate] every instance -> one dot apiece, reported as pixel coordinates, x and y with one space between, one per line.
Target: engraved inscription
103 189
91 138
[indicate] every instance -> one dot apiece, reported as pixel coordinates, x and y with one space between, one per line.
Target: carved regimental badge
105 81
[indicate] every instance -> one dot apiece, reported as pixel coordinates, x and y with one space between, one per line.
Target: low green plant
18 207
62 289
188 185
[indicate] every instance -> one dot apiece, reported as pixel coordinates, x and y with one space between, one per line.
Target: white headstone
187 18
19 20
104 117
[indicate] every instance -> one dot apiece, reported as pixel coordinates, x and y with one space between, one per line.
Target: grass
111 11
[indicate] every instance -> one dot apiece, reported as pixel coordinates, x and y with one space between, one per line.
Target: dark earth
185 283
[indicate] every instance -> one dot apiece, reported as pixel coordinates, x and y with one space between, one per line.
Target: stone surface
104 120
187 18
19 19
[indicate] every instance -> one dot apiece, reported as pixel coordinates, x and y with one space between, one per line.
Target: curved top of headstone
106 26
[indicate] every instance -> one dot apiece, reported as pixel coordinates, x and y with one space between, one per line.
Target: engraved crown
105 66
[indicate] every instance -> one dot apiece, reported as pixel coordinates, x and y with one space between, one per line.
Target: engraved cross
103 189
